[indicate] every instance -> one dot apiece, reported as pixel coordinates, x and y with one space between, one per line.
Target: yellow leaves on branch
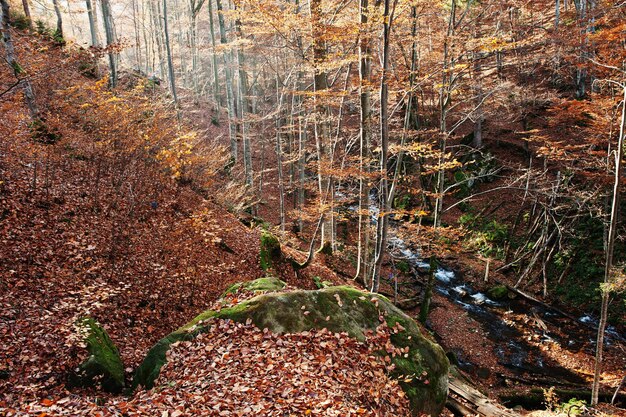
178 154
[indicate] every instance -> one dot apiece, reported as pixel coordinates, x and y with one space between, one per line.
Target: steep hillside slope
102 214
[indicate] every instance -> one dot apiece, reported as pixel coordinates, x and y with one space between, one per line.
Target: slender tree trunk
230 97
109 30
138 60
149 44
321 129
557 13
27 13
279 154
385 204
216 83
365 134
170 65
410 117
445 97
93 28
157 32
477 140
11 59
595 387
244 107
57 10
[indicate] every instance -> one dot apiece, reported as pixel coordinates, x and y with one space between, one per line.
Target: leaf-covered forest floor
116 236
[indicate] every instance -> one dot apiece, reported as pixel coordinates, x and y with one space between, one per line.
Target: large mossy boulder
422 372
104 366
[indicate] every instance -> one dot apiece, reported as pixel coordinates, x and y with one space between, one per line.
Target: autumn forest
312 207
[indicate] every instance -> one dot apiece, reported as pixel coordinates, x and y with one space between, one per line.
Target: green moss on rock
422 371
258 285
270 250
104 366
499 292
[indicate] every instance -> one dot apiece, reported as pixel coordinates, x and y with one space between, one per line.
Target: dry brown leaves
239 370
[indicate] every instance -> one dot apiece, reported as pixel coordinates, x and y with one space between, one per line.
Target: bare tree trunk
170 65
157 32
385 204
244 107
57 10
445 97
27 12
18 71
321 128
135 6
557 13
216 83
410 117
365 135
93 28
595 387
279 153
230 97
109 30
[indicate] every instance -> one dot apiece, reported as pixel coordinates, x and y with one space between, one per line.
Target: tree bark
93 28
170 65
216 84
109 30
321 129
244 107
57 10
385 204
27 12
230 98
365 135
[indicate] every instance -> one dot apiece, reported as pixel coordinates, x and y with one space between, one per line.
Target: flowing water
512 348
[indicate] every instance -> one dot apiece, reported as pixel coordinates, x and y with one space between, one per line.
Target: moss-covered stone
270 250
499 292
104 366
423 371
258 285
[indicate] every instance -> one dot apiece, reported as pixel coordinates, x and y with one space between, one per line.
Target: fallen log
478 404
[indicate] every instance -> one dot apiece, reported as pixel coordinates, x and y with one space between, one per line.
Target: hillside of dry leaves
103 213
